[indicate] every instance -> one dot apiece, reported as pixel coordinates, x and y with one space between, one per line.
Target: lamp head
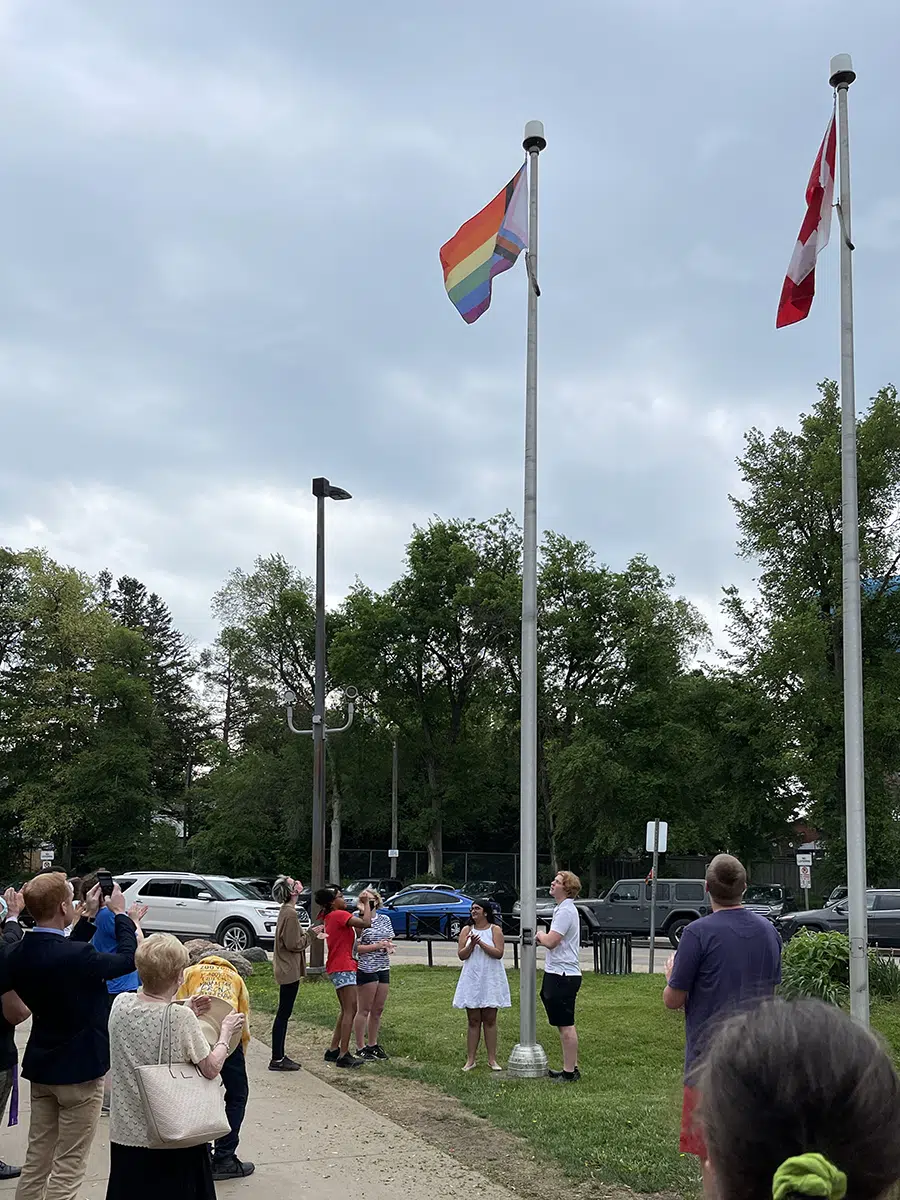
322 488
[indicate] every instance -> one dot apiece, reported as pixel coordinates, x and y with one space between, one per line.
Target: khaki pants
64 1119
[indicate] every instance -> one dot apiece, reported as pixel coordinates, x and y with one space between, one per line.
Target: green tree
170 671
427 653
256 800
789 640
614 647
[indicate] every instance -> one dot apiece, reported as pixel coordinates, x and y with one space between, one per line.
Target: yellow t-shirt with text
217 977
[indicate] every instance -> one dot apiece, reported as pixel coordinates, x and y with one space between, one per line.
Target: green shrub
818 965
884 977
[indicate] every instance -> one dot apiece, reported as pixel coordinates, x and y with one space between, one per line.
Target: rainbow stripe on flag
485 246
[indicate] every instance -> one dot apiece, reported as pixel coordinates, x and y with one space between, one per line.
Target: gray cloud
218 235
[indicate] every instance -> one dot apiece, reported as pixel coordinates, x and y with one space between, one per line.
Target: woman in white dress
483 987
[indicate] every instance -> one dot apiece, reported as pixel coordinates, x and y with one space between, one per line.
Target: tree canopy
121 743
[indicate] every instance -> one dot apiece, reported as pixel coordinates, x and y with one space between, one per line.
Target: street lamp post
322 490
394 772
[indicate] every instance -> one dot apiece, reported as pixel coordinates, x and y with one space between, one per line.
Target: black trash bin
612 953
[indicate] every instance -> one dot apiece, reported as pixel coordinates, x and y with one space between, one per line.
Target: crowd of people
105 1003
780 1099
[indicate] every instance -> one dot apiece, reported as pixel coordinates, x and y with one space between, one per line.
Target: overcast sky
219 234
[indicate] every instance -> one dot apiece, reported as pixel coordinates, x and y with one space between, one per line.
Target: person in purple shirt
724 962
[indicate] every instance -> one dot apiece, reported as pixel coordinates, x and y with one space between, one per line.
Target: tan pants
64 1119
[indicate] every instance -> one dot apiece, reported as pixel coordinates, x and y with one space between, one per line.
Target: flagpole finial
534 136
842 70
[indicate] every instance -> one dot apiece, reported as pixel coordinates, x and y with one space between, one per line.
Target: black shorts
558 994
364 977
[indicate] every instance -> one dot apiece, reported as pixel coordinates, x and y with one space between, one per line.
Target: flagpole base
527 1062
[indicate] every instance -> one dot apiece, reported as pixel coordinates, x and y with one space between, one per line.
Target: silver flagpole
842 75
528 1059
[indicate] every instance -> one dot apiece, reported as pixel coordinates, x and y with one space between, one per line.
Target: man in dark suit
63 981
12 1013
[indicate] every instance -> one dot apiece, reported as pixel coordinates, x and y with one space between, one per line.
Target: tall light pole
322 490
394 833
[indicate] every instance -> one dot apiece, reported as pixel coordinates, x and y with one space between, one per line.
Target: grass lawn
618 1126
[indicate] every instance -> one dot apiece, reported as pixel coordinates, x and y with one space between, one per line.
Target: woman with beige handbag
166 1099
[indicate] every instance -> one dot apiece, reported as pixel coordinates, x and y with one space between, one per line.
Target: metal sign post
804 865
657 839
806 882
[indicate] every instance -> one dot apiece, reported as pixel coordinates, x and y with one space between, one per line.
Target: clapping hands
14 901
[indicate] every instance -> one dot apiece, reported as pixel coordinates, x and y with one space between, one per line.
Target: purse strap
165 1028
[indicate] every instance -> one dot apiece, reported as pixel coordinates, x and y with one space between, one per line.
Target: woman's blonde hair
159 960
375 894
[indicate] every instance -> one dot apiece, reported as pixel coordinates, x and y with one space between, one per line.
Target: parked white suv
211 906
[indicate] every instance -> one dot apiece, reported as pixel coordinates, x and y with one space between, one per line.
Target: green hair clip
809 1175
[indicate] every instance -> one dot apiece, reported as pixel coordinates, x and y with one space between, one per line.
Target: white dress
482 980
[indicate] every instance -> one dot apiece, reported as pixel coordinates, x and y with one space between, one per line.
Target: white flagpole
842 75
528 1059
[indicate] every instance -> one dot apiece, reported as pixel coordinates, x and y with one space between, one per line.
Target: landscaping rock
200 949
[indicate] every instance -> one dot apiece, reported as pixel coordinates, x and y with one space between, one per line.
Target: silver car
544 911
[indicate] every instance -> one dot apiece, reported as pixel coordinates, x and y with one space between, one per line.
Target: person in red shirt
340 927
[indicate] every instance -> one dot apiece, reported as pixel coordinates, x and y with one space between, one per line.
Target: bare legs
344 1025
473 1035
489 1024
568 1036
376 1011
366 994
486 1019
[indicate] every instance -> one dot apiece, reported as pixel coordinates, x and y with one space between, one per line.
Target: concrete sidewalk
309 1140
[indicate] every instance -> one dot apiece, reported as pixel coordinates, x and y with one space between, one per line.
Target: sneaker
332 1055
565 1076
284 1064
8 1172
376 1052
349 1061
231 1168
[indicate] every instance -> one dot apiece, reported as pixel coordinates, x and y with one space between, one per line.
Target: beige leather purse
181 1106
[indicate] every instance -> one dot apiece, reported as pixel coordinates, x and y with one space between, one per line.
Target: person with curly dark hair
340 926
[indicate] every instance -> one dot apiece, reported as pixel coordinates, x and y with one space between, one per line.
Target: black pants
287 994
237 1090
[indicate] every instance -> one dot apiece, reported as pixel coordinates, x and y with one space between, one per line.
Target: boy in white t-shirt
562 971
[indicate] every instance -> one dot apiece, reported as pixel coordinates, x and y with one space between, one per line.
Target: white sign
46 856
805 878
393 853
663 836
804 860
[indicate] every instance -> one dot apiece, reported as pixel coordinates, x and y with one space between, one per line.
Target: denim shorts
342 979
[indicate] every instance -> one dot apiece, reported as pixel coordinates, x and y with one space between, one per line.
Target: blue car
428 912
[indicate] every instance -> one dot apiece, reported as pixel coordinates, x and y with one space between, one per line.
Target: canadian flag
800 281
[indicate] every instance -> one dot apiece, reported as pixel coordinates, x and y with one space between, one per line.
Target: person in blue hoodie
104 942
